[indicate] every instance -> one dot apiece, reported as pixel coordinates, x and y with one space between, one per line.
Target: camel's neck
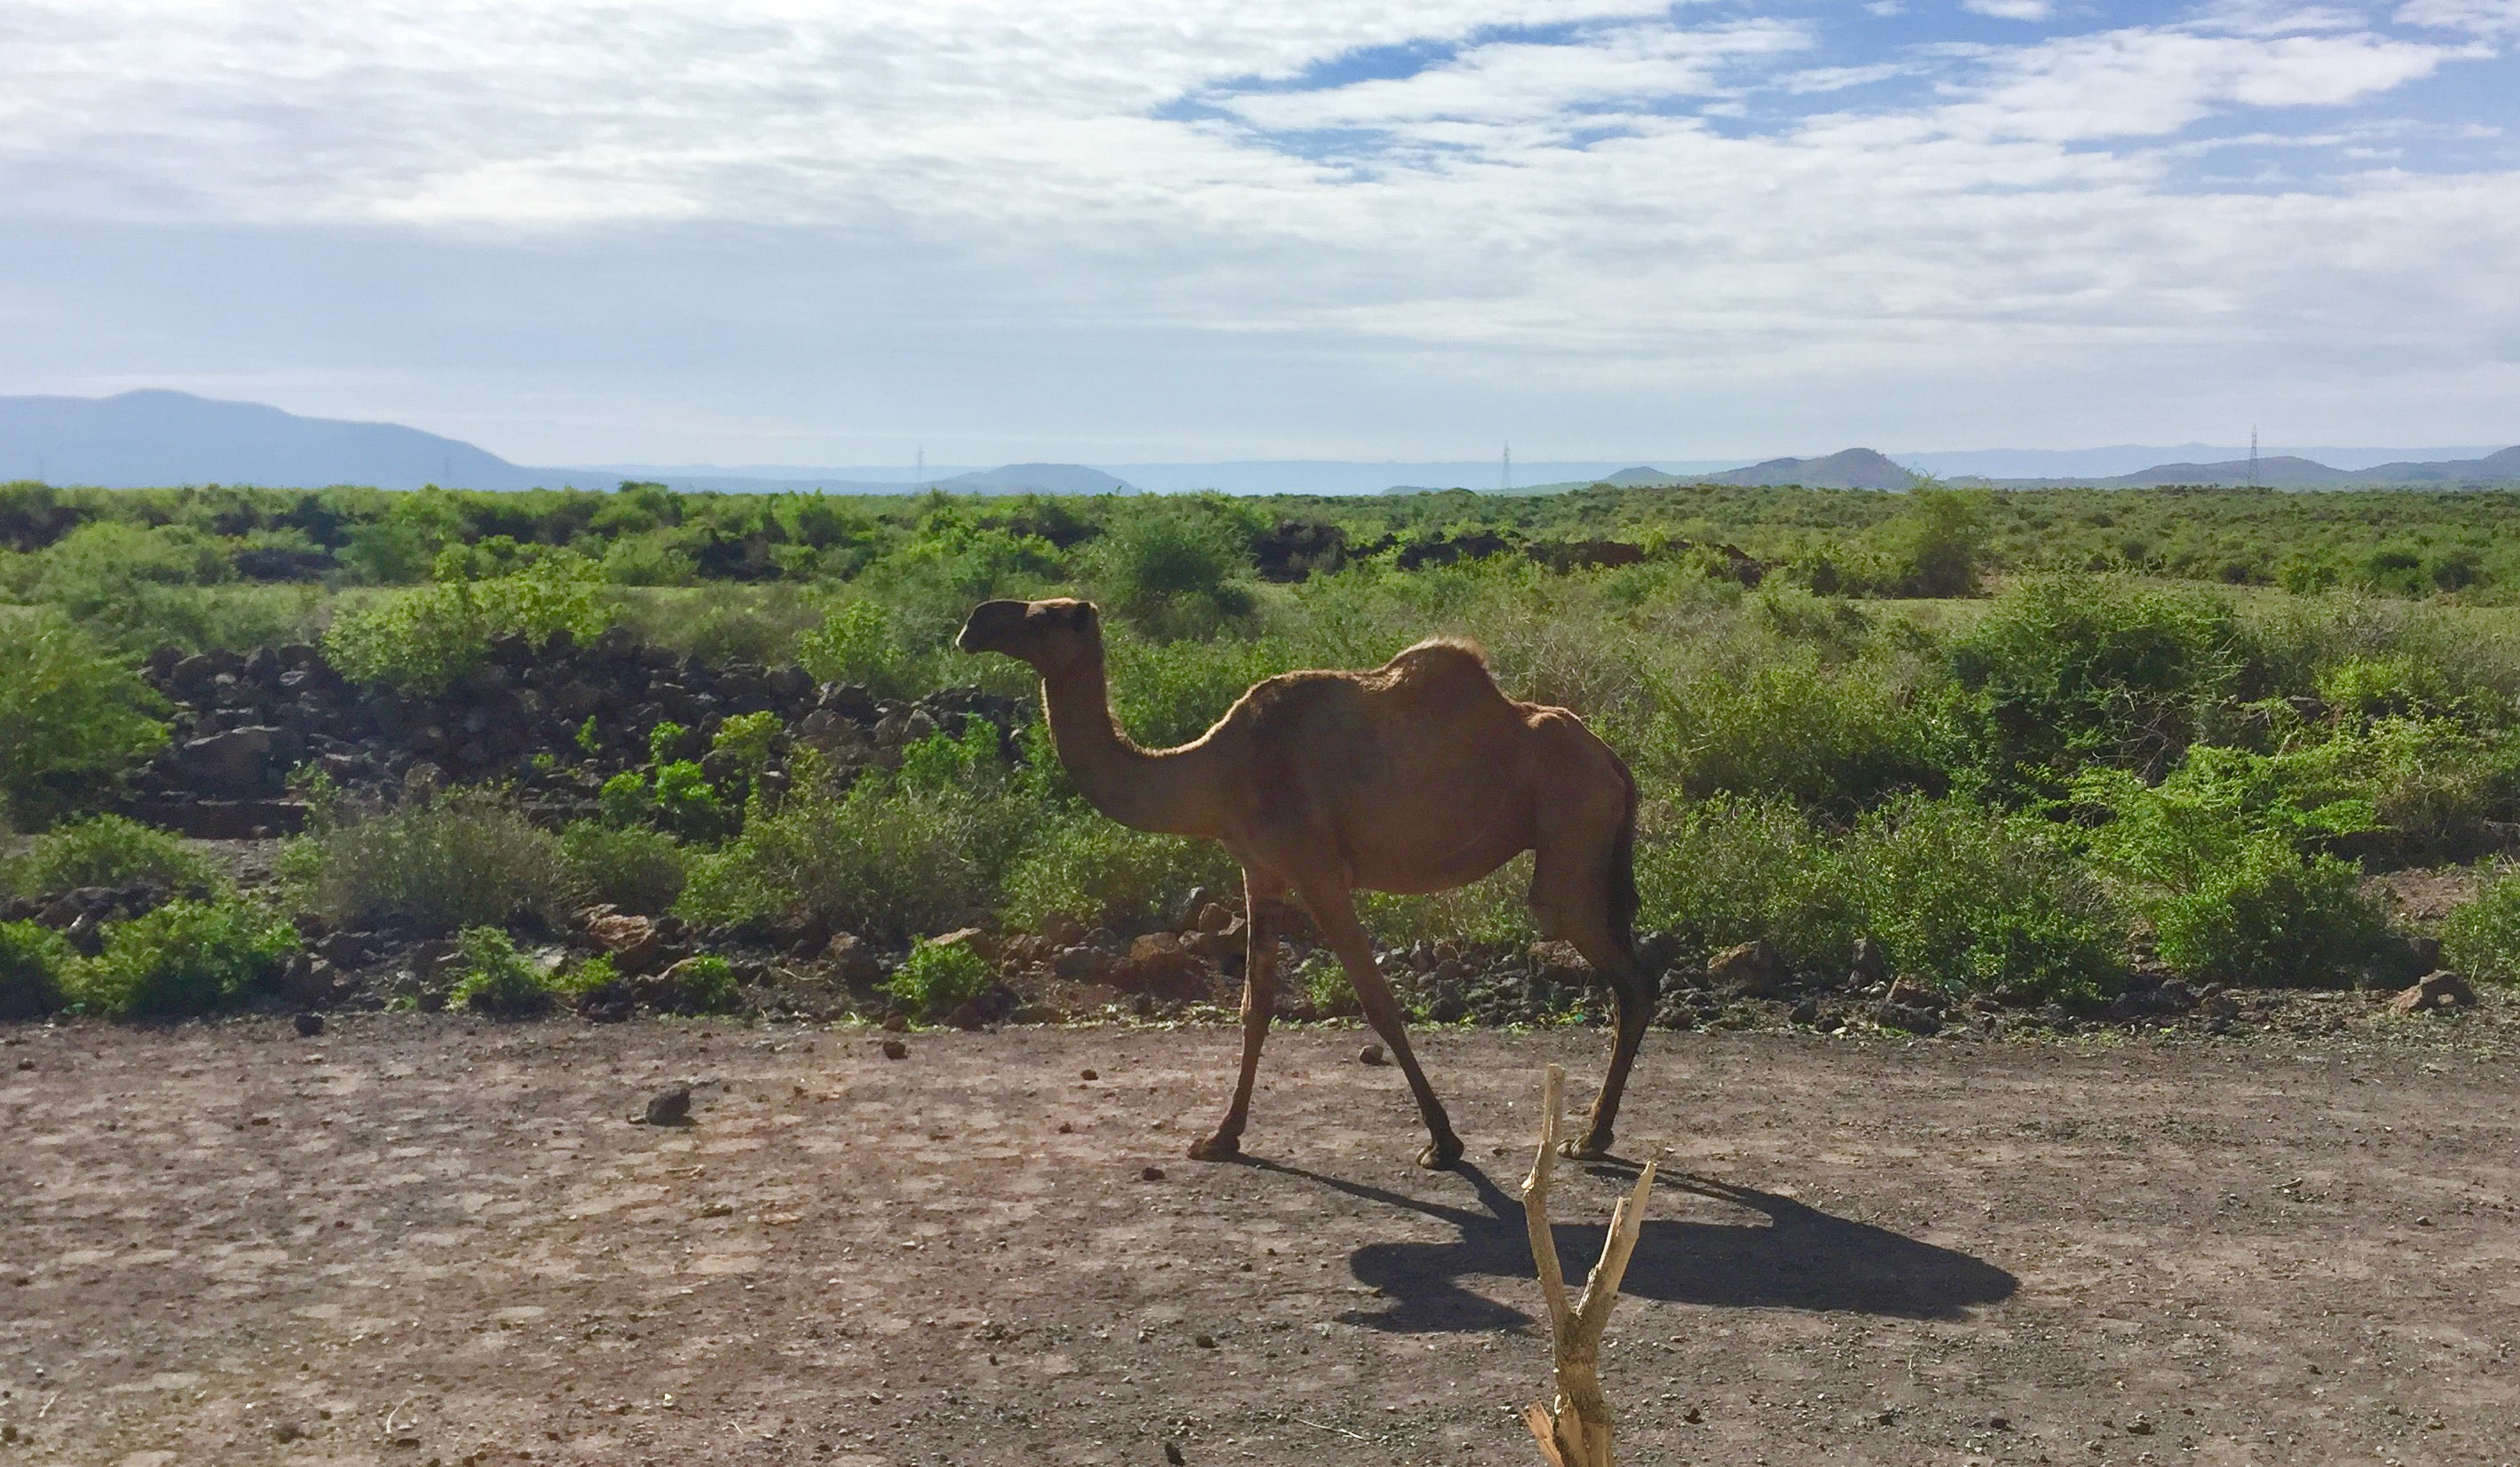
1170 792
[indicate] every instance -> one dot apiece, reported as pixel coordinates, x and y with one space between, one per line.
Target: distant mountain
147 438
2280 471
1851 468
2292 471
2501 468
1037 478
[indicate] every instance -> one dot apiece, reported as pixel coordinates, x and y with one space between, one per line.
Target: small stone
2438 989
309 1025
2139 1426
1998 1423
894 1048
894 1023
1151 1174
1692 1415
1066 1128
1203 1341
1090 1075
1173 1455
671 1107
1370 1054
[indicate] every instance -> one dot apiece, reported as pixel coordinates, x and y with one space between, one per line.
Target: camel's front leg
1334 911
1261 895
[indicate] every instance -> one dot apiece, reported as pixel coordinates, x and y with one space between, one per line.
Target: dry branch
1577 1433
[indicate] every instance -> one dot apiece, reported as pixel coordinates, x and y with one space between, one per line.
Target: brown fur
1417 775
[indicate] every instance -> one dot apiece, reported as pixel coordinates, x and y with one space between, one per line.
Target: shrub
2271 916
2072 670
32 961
72 720
684 804
186 958
427 637
1938 541
1734 869
936 978
857 643
2482 937
585 976
703 984
1976 901
105 850
441 861
880 859
494 978
1832 738
1325 985
1177 570
1099 870
636 870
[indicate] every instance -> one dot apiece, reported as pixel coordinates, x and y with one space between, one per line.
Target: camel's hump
1437 659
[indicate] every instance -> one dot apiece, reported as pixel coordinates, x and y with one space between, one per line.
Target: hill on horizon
142 439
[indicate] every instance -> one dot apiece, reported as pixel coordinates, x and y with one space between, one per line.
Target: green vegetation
493 978
2482 937
440 862
33 962
936 978
2018 739
105 850
72 720
186 958
638 870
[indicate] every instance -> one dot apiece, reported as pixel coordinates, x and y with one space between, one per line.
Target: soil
414 1239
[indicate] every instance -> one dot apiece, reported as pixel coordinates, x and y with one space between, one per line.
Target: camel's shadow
1801 1258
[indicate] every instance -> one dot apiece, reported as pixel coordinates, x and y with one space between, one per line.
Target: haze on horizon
782 232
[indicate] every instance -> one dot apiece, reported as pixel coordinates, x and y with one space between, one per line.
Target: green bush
1839 739
105 850
858 643
33 960
186 958
703 984
2075 669
685 803
935 978
1938 542
443 861
1734 869
637 869
429 637
73 721
1103 873
880 859
2481 938
1974 901
1178 569
492 977
1325 985
2271 916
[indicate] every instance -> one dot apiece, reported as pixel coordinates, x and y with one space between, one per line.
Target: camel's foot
1593 1147
1216 1148
1440 1153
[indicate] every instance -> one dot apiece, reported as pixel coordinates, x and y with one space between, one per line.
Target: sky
786 231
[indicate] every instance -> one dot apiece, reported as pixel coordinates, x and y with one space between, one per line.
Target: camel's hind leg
1334 911
1583 891
1261 895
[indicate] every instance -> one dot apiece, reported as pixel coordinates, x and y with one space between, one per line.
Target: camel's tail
1622 881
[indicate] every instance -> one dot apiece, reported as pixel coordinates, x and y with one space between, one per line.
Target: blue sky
767 231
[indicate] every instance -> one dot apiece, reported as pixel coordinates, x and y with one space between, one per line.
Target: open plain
422 1238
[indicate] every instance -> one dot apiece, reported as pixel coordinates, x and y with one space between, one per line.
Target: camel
1418 776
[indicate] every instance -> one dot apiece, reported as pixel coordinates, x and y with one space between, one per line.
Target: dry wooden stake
1577 1433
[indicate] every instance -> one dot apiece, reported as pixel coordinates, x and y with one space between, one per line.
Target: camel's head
1051 635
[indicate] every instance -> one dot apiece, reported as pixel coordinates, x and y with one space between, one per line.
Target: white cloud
1555 211
2011 10
2488 18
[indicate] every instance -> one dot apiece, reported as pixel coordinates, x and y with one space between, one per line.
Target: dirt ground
418 1239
